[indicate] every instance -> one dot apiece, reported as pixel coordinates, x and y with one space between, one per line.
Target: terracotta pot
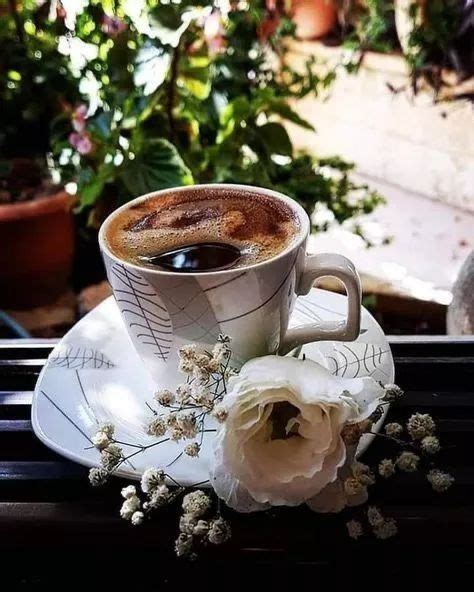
313 18
36 250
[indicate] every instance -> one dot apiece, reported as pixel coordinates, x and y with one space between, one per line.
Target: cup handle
316 266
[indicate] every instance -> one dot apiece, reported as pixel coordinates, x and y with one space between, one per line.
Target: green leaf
167 24
281 108
196 79
167 15
90 186
100 125
158 165
197 88
152 66
232 115
276 139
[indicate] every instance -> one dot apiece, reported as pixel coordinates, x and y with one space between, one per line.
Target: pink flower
113 26
214 32
81 142
79 117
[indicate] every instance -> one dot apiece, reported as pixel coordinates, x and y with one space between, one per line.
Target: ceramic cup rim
302 216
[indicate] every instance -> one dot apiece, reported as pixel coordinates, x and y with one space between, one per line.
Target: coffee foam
259 226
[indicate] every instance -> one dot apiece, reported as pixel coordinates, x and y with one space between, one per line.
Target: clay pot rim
40 206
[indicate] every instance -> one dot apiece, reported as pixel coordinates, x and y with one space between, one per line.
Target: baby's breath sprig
180 417
418 444
182 413
195 528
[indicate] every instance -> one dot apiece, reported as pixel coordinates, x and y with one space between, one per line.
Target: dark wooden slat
431 376
254 534
434 399
455 425
16 397
18 379
437 360
40 470
28 343
52 494
25 353
432 348
23 362
16 446
15 425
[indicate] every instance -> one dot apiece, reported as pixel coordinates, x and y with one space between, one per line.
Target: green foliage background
172 104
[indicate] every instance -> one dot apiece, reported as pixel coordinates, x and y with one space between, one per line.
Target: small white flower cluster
392 393
408 462
361 477
393 429
111 455
440 480
354 529
153 485
201 365
104 436
430 445
156 491
352 432
131 507
383 528
386 468
420 425
190 402
195 528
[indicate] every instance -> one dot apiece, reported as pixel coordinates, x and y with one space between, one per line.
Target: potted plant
180 94
314 18
36 223
368 25
436 38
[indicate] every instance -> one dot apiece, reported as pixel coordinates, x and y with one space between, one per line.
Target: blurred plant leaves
100 125
175 98
91 184
166 24
158 165
276 139
194 74
152 66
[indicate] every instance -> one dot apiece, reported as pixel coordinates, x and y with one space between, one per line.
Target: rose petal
252 468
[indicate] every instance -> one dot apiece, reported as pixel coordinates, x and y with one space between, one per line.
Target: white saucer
94 375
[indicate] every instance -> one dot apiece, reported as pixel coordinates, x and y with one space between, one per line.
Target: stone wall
409 142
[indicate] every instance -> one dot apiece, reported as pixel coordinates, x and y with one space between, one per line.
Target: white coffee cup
164 310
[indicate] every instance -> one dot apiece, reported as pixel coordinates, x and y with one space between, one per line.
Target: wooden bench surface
48 507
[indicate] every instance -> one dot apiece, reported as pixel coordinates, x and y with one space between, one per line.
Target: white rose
281 443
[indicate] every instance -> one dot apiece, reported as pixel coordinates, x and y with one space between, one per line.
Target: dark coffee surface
198 257
168 231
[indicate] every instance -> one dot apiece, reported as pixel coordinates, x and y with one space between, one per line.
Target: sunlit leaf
196 79
167 25
157 166
151 68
